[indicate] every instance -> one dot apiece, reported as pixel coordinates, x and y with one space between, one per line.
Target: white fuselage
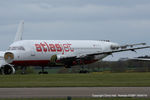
39 52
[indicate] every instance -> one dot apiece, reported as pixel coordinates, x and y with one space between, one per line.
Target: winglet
19 33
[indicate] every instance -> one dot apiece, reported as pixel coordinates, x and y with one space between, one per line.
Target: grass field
76 80
83 99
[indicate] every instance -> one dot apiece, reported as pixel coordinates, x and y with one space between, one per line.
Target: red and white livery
60 52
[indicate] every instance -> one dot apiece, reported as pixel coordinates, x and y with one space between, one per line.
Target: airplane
65 53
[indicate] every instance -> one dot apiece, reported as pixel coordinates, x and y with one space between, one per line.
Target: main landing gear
43 72
83 70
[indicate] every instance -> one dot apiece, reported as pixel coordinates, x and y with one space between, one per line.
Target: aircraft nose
9 57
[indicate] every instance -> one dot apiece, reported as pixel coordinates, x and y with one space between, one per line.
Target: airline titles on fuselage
46 47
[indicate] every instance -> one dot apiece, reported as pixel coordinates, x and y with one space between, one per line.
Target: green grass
76 80
80 99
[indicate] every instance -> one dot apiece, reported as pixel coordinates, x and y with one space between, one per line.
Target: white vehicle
60 52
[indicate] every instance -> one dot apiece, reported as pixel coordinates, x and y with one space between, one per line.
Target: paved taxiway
70 91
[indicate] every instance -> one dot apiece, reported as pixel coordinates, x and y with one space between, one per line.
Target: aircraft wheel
84 71
23 73
43 72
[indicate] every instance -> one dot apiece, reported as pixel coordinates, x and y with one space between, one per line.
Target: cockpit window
16 48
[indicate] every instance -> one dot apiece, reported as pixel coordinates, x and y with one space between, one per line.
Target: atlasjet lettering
46 47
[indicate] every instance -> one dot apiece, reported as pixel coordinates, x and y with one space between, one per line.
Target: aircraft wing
91 56
126 46
119 50
131 45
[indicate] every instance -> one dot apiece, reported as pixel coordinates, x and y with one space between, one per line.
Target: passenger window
17 48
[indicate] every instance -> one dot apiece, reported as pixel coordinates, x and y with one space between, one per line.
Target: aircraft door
33 52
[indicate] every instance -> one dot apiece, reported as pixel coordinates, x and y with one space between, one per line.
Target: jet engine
65 60
8 56
7 69
54 58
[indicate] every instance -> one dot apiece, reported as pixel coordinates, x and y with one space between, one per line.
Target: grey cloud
49 12
122 21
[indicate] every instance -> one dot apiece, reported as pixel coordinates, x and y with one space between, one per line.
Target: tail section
19 33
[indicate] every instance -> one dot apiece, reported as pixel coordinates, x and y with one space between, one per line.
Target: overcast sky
121 21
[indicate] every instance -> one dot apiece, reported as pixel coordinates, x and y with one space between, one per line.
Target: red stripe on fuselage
43 62
31 63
